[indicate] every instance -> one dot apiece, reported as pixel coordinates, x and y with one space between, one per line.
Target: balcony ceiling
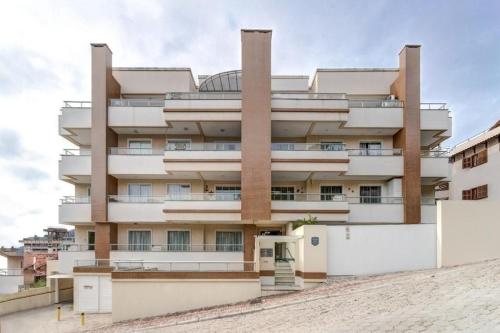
284 176
301 129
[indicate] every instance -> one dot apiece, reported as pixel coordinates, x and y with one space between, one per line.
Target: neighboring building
172 170
476 167
11 277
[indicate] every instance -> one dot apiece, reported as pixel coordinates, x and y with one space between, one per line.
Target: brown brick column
104 86
249 232
407 88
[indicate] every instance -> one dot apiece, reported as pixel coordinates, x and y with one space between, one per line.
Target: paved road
464 298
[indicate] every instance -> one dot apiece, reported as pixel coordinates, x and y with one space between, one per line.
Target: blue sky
45 59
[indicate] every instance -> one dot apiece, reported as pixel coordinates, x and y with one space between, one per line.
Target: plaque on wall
266 252
315 241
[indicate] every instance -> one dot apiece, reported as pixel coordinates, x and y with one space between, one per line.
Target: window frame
241 246
188 246
134 245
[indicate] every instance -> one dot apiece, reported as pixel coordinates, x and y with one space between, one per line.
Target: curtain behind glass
229 241
178 241
139 240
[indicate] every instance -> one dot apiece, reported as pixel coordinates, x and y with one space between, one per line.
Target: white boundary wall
376 249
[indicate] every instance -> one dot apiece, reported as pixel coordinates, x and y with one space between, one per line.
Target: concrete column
104 86
407 88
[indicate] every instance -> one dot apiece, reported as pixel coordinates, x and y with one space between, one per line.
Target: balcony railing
77 104
137 102
203 95
76 152
293 146
169 266
433 106
307 196
384 103
226 196
135 151
375 152
206 146
375 200
435 153
75 200
428 200
11 272
178 247
315 96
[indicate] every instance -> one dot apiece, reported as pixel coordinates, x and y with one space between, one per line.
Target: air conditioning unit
391 97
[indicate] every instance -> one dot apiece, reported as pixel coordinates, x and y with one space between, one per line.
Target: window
335 146
140 147
475 160
329 193
227 193
139 240
476 193
282 193
370 148
178 240
139 192
179 191
91 240
178 144
228 241
370 194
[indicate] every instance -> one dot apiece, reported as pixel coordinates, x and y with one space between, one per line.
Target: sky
45 59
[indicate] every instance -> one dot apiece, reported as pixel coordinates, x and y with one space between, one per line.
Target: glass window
335 146
179 191
91 240
139 192
139 240
178 144
228 241
329 193
227 193
178 240
370 148
140 147
370 194
282 193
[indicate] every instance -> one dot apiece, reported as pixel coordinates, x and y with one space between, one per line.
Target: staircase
284 274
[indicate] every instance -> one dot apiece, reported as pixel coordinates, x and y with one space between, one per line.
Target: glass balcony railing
206 146
435 153
75 200
382 103
203 95
314 96
77 104
375 152
135 151
224 196
307 146
137 102
433 106
76 152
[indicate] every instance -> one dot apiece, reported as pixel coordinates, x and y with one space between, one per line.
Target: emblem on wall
315 241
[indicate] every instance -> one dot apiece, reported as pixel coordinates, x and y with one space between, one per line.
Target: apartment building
475 165
170 169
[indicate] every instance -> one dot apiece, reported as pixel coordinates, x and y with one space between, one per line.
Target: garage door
94 294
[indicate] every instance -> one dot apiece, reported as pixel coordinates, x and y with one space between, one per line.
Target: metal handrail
374 200
77 104
169 266
294 146
278 196
433 106
75 199
435 153
11 271
137 102
375 152
206 146
203 95
76 152
315 96
222 196
135 151
375 103
136 198
74 247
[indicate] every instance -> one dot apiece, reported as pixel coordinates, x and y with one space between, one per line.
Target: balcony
74 210
434 165
375 162
10 280
376 210
317 157
135 161
293 206
383 115
435 123
203 157
126 209
141 113
203 106
212 207
71 255
75 122
309 107
75 166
